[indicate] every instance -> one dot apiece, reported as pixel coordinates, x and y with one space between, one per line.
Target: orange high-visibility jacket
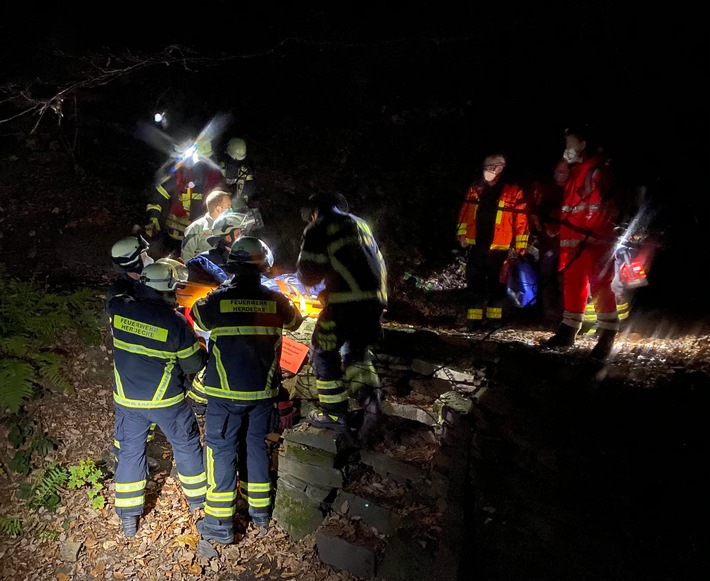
511 225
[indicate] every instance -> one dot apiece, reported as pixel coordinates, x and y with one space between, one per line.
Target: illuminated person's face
493 169
574 146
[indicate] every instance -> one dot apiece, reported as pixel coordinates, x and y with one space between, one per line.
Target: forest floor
58 229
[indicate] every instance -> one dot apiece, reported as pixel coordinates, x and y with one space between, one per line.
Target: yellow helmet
237 148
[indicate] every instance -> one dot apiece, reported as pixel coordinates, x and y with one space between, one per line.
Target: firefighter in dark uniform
179 197
239 175
242 381
338 249
129 256
156 352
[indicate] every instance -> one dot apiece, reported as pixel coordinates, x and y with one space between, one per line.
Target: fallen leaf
98 571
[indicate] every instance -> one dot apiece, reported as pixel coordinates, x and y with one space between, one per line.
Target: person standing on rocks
339 250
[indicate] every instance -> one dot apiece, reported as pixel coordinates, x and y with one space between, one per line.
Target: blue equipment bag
522 282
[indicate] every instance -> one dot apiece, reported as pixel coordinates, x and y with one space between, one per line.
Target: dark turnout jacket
155 350
245 320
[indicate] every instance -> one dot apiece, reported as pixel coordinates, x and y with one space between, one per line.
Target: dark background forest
395 108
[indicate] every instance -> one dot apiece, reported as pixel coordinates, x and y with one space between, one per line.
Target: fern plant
11 525
31 445
44 493
33 325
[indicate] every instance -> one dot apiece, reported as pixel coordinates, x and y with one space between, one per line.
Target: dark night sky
639 74
518 74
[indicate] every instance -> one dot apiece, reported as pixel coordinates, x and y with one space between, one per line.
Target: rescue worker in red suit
179 198
156 352
339 250
493 225
587 237
241 384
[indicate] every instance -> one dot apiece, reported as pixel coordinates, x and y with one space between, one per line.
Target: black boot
563 337
604 345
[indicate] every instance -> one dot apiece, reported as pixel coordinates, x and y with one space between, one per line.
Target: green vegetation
36 328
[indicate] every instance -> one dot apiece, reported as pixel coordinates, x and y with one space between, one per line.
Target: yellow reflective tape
474 314
163 192
194 492
220 512
209 468
327 384
129 502
143 404
258 502
141 329
242 395
130 486
494 312
202 477
142 350
337 398
228 496
256 486
189 351
245 331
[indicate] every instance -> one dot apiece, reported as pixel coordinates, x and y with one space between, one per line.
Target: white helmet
161 276
249 250
180 268
237 148
126 253
227 222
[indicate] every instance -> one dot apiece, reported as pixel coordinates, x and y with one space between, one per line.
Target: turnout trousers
340 352
131 429
231 426
487 295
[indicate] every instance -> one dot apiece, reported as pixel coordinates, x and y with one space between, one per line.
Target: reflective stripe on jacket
340 250
154 350
511 222
245 321
587 212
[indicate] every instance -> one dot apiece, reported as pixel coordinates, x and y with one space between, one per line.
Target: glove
324 337
152 228
287 414
512 253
